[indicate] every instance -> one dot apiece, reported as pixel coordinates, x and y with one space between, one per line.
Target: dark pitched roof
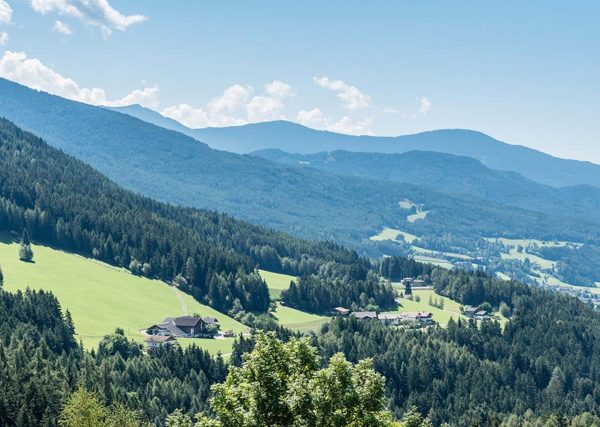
210 320
185 321
364 314
159 338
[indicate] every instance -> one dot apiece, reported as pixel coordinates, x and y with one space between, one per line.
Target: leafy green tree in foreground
85 409
282 384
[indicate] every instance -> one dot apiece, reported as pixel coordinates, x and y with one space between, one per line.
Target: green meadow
286 316
442 316
276 282
101 297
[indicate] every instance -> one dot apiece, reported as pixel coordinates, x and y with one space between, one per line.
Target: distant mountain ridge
295 138
175 168
452 174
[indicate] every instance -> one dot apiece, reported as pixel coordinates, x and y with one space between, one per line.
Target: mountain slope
295 138
178 169
452 174
67 204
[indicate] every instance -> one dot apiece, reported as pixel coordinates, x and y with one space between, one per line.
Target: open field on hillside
297 320
442 316
434 254
440 262
276 282
416 216
101 297
286 316
526 242
534 259
393 234
406 204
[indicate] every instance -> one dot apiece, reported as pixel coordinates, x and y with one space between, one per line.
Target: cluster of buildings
420 318
476 313
165 334
415 284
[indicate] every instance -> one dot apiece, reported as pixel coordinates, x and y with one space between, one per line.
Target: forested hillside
541 368
303 202
61 201
452 174
295 138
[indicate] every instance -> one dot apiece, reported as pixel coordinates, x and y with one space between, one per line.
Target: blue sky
524 72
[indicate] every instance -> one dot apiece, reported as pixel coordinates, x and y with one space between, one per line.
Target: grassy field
451 307
276 282
514 254
416 216
406 204
286 316
526 242
393 234
432 253
101 298
297 320
440 262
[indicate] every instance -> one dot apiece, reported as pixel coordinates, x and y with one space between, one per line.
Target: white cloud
4 37
424 105
199 118
233 98
352 98
313 118
236 106
62 28
5 12
16 66
317 120
147 97
348 126
97 13
279 89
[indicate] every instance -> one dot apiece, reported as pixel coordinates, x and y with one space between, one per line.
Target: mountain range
457 175
295 138
322 201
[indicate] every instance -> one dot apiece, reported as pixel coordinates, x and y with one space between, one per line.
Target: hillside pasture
393 234
276 282
442 316
297 320
101 297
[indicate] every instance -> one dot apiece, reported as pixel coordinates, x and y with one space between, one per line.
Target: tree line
62 202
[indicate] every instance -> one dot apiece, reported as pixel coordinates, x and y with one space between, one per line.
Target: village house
340 311
156 341
184 326
390 318
476 313
424 318
365 315
481 315
470 311
407 281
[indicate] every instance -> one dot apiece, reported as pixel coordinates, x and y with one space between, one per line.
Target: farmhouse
470 311
155 342
365 315
184 326
422 317
481 315
407 281
340 311
390 318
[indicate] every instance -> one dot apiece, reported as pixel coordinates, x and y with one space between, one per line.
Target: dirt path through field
181 301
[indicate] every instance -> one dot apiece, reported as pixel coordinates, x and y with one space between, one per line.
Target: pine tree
1 277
